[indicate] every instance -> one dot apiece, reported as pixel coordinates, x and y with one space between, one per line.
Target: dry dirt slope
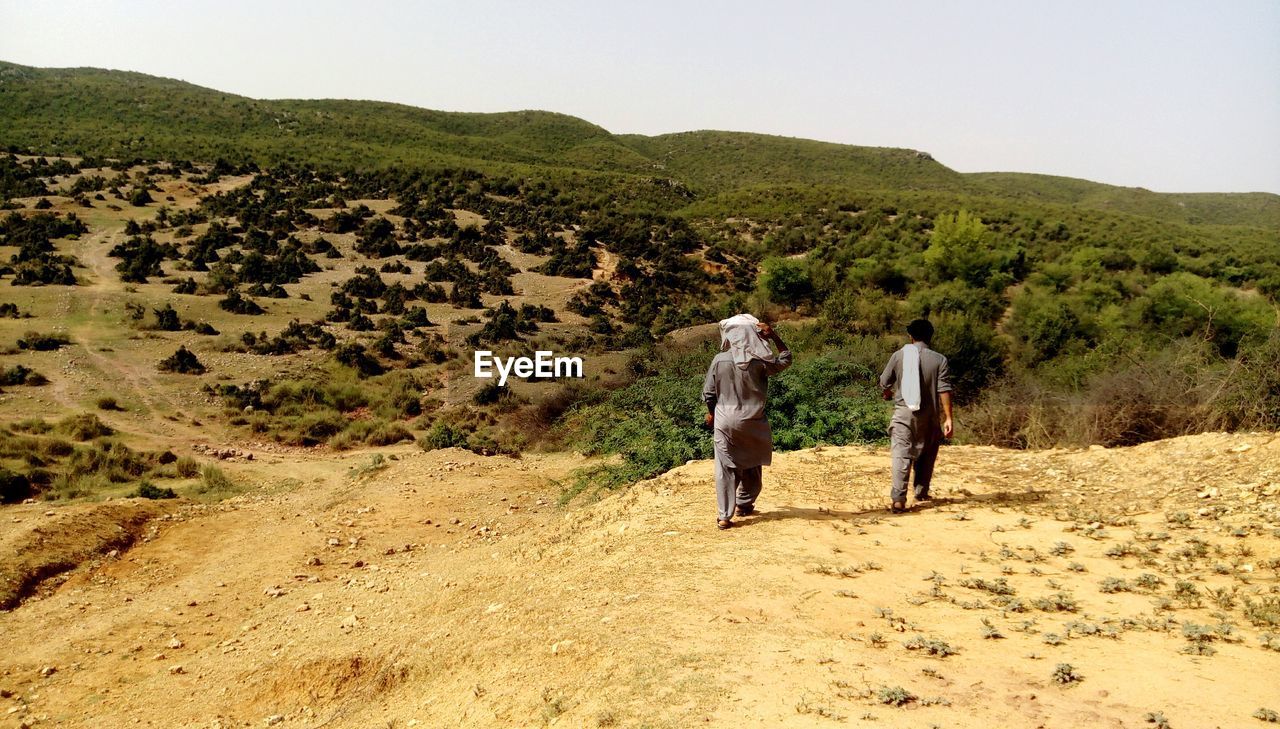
356 601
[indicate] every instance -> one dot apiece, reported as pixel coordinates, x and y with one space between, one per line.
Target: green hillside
728 160
127 115
1250 208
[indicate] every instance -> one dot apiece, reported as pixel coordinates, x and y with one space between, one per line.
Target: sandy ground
448 589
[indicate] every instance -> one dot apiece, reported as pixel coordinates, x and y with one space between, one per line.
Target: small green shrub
148 490
109 459
1057 602
187 467
895 696
1118 551
998 586
183 362
107 402
1263 612
1114 584
22 375
1065 673
213 481
1199 637
43 342
1148 581
82 427
73 486
930 646
1186 593
442 435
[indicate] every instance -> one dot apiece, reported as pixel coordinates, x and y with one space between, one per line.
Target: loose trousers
913 443
736 487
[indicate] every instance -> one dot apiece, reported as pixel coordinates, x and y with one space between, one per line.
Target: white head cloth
738 334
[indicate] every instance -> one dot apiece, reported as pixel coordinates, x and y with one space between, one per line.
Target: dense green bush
1183 305
443 435
22 375
1045 326
824 400
183 361
333 407
85 426
148 490
43 342
976 354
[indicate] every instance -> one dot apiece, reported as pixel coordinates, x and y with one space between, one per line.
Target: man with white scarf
735 391
921 413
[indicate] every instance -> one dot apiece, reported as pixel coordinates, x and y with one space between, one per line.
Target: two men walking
735 391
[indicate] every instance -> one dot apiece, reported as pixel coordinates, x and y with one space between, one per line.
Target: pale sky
1170 95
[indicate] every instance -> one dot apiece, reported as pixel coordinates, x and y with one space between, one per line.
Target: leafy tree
1045 326
787 282
960 247
1183 304
975 353
862 311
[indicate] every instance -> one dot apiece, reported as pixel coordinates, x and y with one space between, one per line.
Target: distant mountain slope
126 114
1259 209
726 160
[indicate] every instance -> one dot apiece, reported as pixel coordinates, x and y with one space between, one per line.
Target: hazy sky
1170 95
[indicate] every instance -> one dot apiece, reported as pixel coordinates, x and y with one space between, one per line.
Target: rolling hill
125 114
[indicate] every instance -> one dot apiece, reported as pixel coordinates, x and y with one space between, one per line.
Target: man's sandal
898 507
723 523
745 510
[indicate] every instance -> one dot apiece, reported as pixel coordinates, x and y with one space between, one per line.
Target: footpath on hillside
1097 587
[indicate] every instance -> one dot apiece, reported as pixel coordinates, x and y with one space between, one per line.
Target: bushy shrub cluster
340 408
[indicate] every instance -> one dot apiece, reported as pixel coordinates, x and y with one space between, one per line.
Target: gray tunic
912 433
935 378
742 436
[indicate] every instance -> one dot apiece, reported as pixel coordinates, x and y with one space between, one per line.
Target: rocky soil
1043 589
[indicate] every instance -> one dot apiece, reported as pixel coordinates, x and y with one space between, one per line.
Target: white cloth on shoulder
738 335
910 385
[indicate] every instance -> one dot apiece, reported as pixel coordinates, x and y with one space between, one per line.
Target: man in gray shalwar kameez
918 380
735 392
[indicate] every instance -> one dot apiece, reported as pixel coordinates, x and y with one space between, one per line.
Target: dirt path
93 311
136 376
446 590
